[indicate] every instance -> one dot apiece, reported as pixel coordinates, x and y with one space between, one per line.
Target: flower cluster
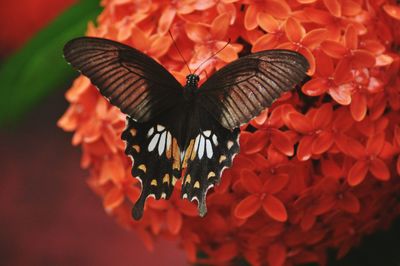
318 170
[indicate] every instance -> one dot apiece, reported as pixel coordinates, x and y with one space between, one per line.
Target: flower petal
250 181
196 32
357 173
276 183
314 38
333 49
113 199
341 94
322 142
247 207
375 144
379 169
392 10
351 37
334 7
174 221
316 87
274 208
300 123
250 17
362 58
165 20
304 150
276 255
219 26
350 203
294 30
265 42
281 142
358 106
323 116
267 22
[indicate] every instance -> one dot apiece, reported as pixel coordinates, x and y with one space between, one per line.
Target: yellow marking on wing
188 179
188 152
174 179
222 158
142 167
196 184
136 148
153 182
166 179
210 175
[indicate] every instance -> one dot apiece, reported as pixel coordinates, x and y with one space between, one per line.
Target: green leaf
29 75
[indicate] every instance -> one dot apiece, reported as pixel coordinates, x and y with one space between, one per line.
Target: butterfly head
192 80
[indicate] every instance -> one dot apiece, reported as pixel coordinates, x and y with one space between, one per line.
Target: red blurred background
48 214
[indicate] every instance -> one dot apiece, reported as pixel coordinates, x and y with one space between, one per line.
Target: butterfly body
182 132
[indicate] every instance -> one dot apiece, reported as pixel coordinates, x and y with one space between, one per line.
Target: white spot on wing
160 128
209 149
161 143
229 144
214 138
207 133
201 147
153 142
151 131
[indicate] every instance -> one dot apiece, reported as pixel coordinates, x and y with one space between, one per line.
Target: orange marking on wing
175 153
136 148
188 153
133 132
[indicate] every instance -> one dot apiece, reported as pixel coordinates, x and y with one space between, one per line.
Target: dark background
49 216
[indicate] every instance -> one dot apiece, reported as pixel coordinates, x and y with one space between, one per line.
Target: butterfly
176 131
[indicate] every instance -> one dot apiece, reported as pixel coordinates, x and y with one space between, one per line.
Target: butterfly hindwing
210 150
128 78
155 160
242 89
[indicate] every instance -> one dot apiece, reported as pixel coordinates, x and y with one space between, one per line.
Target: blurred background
49 216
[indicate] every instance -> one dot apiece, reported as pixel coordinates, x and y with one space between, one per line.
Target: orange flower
262 195
315 129
329 79
209 39
308 166
367 160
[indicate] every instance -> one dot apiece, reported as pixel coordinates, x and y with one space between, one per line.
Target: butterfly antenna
176 46
229 40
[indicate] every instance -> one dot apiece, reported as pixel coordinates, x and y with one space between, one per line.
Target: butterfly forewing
131 80
241 90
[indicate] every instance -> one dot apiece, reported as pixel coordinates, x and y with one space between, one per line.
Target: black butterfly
174 129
